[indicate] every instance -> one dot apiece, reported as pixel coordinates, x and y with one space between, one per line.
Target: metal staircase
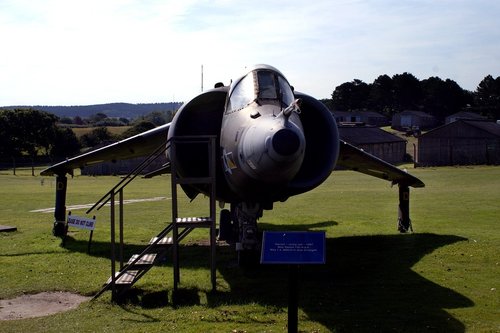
185 223
169 238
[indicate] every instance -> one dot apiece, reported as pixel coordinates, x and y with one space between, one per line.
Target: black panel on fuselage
200 116
322 149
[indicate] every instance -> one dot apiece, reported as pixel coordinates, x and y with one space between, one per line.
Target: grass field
114 130
442 278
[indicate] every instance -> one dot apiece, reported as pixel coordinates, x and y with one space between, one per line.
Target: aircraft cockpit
263 85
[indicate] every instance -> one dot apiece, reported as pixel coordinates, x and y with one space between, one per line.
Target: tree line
29 135
112 110
440 98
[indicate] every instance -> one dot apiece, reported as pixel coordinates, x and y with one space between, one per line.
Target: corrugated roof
487 126
367 135
484 125
466 115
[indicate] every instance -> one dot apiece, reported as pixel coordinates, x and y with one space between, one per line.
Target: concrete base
6 228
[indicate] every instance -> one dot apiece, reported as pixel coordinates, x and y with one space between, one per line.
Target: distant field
442 278
115 130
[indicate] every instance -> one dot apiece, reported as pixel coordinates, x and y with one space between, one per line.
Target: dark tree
65 144
381 96
407 92
66 120
351 95
26 131
124 121
155 117
138 128
78 120
443 98
328 103
96 137
487 97
9 147
98 117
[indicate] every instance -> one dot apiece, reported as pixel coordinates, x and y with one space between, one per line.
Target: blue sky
71 52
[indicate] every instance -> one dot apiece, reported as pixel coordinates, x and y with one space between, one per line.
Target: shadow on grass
367 284
300 227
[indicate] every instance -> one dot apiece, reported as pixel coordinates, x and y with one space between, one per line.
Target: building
413 119
462 142
465 116
366 117
375 141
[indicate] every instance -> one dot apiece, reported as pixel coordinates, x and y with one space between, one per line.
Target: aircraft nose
286 142
272 152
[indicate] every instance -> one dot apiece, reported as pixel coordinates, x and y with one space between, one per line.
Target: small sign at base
293 247
81 222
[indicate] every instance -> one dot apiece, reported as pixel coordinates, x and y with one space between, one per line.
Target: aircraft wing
353 158
142 144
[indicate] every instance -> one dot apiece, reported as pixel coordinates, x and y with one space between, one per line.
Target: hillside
125 110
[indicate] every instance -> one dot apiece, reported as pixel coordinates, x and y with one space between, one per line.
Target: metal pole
213 236
121 227
293 298
60 229
404 222
113 259
175 232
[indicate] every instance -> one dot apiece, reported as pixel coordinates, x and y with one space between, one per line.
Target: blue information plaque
293 247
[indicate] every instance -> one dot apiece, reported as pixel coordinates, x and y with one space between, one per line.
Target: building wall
458 151
406 119
458 144
392 152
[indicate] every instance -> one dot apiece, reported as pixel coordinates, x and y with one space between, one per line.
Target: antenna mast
201 78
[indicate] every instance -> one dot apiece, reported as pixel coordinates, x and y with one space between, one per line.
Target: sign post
82 223
293 248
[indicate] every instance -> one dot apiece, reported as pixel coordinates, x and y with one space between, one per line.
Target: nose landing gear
239 227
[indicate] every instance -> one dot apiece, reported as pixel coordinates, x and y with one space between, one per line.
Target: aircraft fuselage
262 140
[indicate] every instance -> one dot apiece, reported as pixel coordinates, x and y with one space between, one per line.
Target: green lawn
443 277
114 130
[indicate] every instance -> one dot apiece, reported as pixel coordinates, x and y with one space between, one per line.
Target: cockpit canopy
263 85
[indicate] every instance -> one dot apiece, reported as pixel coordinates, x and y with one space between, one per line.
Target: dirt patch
39 305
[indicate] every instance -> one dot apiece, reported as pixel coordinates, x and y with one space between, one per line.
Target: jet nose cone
286 142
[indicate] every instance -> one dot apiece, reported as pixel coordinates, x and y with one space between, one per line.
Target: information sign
81 222
293 247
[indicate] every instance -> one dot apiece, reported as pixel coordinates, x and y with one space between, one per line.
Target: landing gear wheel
226 226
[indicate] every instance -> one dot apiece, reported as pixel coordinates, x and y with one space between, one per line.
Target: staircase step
162 242
146 260
194 221
127 278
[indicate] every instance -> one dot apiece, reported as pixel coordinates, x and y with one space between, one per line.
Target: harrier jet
272 143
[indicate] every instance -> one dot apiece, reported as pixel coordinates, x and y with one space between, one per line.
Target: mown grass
443 277
114 130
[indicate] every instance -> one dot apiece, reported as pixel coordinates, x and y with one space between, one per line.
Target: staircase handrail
129 177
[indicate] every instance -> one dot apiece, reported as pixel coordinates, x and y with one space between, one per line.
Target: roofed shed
462 142
412 119
375 141
366 117
465 116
